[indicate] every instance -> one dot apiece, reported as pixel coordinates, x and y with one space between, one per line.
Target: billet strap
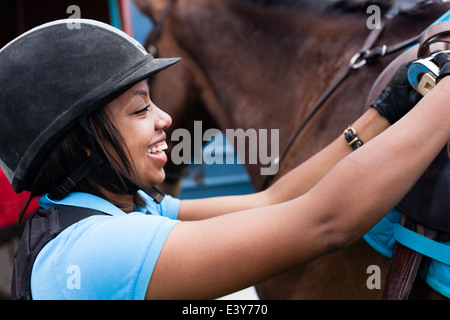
440 32
413 242
403 269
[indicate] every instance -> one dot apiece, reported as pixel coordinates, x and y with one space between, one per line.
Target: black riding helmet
51 76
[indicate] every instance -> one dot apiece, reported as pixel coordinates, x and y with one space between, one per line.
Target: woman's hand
399 97
442 60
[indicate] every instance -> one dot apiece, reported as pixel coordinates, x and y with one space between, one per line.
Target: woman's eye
143 110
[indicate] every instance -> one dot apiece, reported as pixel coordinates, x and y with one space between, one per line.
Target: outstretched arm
212 257
394 102
295 183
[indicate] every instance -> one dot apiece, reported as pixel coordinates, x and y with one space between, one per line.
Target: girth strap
402 273
404 265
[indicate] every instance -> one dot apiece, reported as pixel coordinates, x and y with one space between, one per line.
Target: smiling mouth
159 148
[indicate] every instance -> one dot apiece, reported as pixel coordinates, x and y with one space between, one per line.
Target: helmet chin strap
67 185
121 182
128 187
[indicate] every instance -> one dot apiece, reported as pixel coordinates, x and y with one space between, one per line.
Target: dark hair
74 149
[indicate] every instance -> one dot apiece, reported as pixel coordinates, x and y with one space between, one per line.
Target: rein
154 36
365 55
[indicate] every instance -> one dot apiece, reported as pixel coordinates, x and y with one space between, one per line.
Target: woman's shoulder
102 248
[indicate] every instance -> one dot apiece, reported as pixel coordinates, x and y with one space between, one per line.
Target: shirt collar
83 200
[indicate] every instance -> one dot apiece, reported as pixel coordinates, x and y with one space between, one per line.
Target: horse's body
262 64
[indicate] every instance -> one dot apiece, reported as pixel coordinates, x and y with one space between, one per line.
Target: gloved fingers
400 78
415 97
440 59
381 98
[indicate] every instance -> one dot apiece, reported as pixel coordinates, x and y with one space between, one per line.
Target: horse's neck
252 59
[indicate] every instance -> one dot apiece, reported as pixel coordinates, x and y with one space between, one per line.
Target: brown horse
264 64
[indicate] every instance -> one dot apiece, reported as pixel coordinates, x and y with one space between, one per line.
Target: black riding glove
398 97
442 60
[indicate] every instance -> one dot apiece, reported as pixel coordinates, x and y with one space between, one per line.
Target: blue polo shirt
103 256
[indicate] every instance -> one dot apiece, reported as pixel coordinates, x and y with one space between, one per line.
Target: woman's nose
163 121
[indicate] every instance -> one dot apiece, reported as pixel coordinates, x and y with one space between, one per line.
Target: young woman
92 141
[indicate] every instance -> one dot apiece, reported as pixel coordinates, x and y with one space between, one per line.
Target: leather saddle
428 202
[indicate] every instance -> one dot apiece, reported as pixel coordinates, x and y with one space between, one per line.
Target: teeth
161 147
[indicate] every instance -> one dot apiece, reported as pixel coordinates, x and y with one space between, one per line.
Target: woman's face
141 124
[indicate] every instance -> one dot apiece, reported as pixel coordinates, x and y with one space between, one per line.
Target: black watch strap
352 138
